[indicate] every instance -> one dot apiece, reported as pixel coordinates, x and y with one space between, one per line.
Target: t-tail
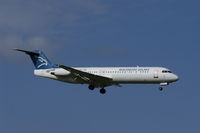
39 59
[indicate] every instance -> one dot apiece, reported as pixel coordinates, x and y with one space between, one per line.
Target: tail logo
43 62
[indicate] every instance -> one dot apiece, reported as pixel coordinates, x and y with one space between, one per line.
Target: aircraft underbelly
137 78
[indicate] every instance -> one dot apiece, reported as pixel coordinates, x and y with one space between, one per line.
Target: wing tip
16 49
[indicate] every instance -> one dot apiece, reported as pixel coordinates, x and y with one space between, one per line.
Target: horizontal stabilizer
28 52
39 59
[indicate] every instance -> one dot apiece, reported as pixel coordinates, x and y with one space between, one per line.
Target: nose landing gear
163 84
160 89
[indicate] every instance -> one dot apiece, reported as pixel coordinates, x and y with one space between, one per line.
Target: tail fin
39 59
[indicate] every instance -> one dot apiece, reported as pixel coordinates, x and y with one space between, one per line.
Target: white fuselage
99 77
120 75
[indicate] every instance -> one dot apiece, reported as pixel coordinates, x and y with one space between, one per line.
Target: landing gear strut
102 91
91 87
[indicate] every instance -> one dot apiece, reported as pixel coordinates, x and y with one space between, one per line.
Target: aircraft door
155 74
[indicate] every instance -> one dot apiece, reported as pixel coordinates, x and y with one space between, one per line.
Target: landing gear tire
91 87
160 88
102 91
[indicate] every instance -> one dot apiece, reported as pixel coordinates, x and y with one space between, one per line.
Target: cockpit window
166 71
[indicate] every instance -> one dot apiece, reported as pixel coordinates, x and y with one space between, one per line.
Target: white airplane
100 77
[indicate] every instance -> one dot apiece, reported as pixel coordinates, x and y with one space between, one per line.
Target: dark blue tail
39 59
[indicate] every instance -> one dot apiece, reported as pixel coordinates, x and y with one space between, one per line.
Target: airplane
100 77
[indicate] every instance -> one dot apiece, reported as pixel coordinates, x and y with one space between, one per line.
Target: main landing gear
102 90
91 87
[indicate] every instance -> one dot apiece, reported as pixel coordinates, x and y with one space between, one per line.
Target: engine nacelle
60 72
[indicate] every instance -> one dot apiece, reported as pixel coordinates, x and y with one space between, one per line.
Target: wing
88 76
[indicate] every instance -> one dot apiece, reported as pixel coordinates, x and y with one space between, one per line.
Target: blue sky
99 33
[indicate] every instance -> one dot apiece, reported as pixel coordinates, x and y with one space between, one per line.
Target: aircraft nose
176 78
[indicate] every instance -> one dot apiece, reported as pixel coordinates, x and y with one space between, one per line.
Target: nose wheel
160 89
